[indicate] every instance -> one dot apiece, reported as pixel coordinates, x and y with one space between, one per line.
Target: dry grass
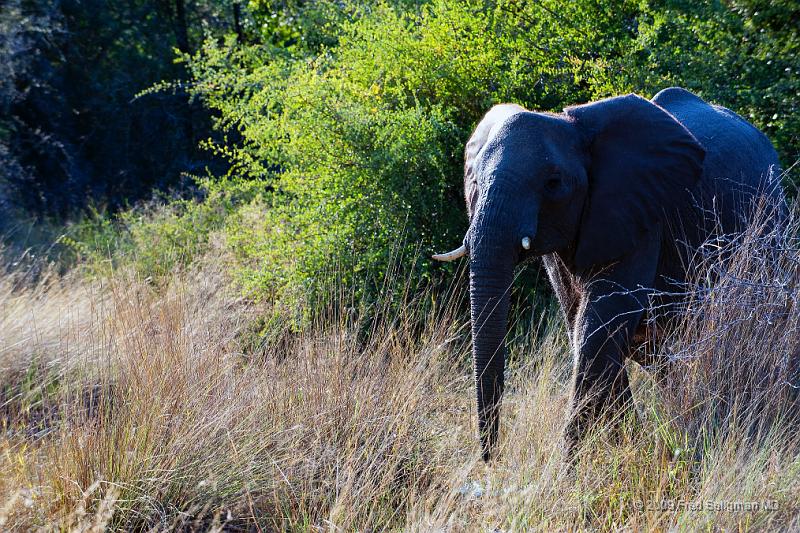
134 408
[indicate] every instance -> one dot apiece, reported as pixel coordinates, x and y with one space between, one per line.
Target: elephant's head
586 184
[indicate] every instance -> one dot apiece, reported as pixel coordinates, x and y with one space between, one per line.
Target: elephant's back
736 151
740 164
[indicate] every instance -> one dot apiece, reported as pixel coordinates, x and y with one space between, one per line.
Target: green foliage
165 238
299 25
94 240
356 135
343 123
360 146
155 239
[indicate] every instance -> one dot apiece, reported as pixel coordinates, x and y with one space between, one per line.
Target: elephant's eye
553 184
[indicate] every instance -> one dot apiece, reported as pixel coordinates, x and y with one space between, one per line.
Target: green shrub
94 240
355 138
154 239
360 146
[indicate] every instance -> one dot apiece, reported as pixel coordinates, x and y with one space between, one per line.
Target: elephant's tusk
461 251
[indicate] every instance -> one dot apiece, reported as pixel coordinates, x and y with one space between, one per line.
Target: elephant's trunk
489 295
493 254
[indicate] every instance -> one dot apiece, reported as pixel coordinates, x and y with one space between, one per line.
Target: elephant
614 196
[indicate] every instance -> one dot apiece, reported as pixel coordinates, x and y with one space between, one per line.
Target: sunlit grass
134 407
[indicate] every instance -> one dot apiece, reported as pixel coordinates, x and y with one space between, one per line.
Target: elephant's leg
600 381
611 309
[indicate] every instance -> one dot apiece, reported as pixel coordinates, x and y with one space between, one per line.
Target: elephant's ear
642 163
483 131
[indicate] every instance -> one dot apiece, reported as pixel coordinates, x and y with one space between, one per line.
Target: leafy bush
360 147
154 239
356 135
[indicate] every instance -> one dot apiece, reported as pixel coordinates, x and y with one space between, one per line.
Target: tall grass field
132 406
